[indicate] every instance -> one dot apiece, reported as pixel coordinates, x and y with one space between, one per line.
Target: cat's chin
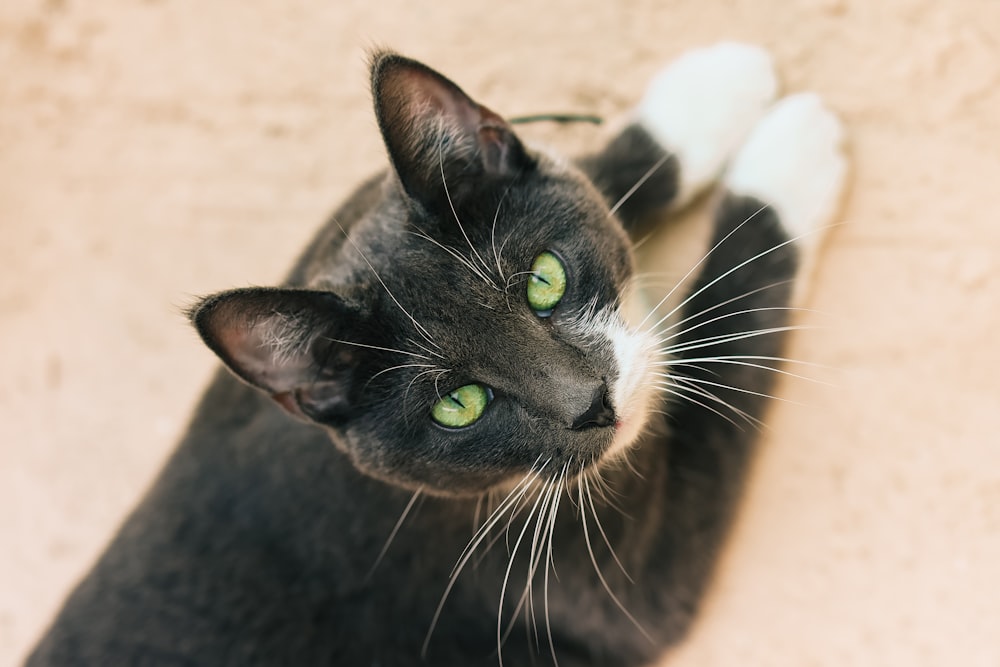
627 432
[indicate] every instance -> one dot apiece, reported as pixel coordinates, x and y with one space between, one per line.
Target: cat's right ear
286 342
441 142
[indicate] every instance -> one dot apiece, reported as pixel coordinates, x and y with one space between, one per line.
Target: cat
456 435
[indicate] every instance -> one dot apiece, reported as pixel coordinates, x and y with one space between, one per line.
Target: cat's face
472 326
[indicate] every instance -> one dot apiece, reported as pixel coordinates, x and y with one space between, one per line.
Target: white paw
702 106
794 162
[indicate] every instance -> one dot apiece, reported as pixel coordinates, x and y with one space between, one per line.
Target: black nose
600 412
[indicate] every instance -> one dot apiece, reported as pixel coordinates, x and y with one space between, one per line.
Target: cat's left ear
288 343
441 142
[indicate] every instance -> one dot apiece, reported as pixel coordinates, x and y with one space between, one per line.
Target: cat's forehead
513 222
473 260
491 248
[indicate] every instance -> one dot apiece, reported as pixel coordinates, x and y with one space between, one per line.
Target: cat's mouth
633 395
631 422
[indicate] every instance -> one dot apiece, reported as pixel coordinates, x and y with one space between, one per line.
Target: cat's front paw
702 106
794 162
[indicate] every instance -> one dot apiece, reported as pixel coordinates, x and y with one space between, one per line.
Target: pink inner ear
286 400
232 338
247 351
429 124
428 96
432 97
494 142
240 343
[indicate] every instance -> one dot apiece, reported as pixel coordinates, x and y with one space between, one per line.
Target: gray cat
456 436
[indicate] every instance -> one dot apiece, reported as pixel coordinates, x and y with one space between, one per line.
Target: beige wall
150 151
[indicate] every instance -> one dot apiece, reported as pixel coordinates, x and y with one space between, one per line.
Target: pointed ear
438 138
284 342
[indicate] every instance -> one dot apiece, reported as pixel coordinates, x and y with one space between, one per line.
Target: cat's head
470 327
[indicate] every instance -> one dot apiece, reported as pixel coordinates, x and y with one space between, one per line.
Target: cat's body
263 543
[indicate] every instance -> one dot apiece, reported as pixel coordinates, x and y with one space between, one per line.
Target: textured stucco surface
150 151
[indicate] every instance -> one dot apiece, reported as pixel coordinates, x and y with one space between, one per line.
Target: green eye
547 284
462 407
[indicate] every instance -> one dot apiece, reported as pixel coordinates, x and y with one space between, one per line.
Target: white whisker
722 360
550 562
451 205
424 348
493 233
597 568
510 566
464 261
392 535
419 327
510 279
749 311
608 496
695 268
504 244
512 499
645 239
681 385
722 304
604 536
401 366
711 341
439 371
638 184
375 347
534 557
736 268
730 387
678 391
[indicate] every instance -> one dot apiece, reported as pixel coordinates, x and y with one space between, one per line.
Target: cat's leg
781 193
722 353
694 115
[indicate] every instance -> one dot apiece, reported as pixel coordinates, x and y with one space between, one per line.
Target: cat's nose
600 412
